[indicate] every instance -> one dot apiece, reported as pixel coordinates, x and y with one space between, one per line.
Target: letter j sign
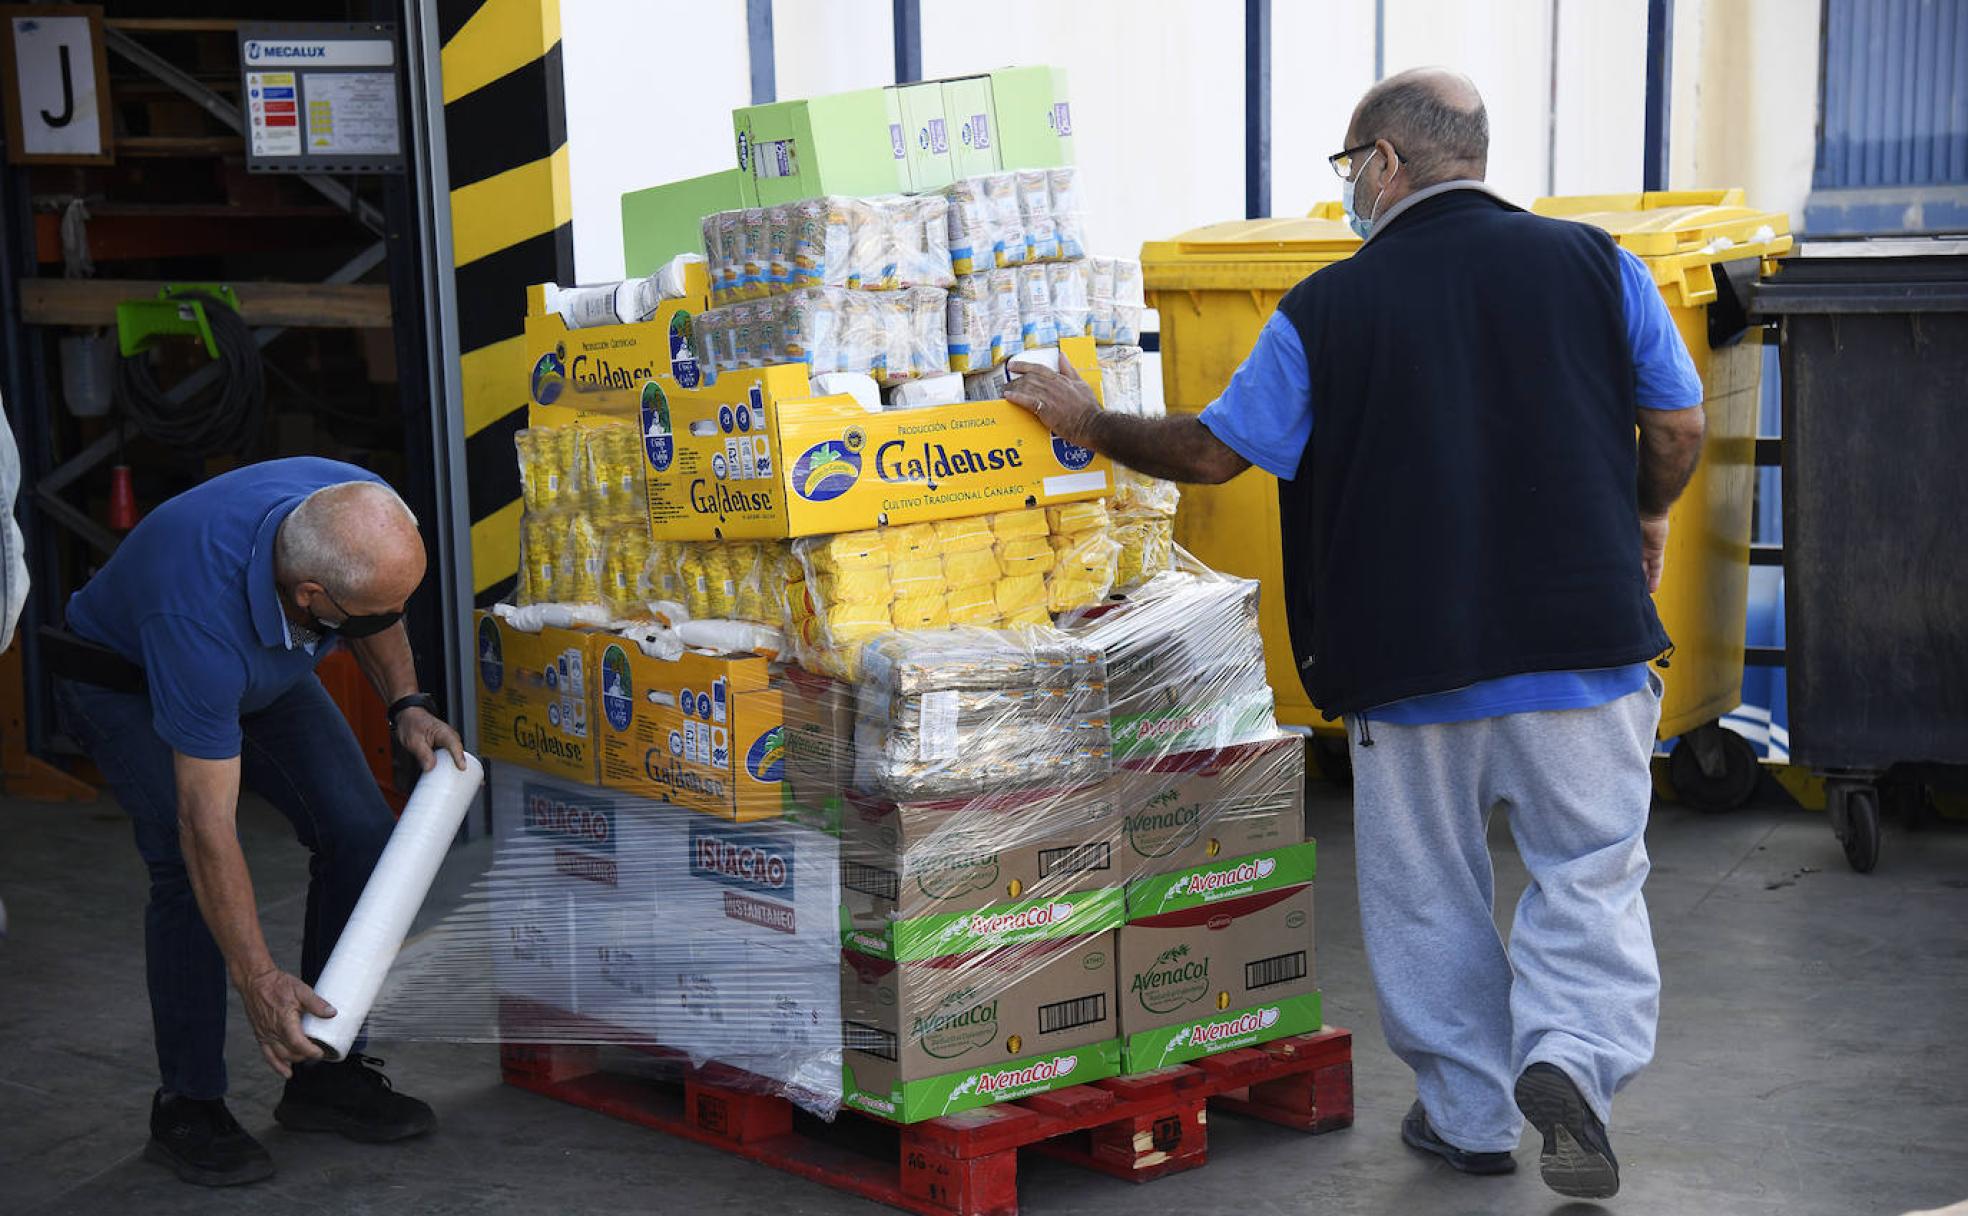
57 85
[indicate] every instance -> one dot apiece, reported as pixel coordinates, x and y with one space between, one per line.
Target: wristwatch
416 700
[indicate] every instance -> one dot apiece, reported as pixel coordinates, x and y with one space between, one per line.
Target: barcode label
1076 859
1278 969
1080 1011
938 737
871 880
872 1040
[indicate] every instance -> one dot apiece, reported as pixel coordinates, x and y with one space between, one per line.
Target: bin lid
1681 234
1285 248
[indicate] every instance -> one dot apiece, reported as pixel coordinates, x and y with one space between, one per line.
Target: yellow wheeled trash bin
1215 287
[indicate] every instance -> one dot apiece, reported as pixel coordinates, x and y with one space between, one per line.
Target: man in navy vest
207 625
1471 539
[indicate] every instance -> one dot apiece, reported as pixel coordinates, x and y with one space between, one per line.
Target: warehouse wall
1158 92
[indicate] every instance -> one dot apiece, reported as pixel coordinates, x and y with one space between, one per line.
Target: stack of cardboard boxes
903 139
990 863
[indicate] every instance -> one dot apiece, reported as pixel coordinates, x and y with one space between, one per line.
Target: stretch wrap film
1001 860
390 900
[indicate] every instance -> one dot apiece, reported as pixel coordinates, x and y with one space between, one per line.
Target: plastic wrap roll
396 889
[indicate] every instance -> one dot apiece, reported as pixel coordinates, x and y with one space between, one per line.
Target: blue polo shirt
189 596
1265 416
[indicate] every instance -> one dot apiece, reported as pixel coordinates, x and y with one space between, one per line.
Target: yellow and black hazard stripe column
505 132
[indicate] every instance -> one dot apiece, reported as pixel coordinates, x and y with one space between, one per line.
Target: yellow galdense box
536 700
755 456
702 732
603 368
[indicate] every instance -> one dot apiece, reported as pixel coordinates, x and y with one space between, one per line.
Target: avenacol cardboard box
701 731
926 879
926 1039
1188 808
1208 979
608 369
536 703
756 457
1222 879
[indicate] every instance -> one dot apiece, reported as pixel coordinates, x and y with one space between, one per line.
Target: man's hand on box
1061 400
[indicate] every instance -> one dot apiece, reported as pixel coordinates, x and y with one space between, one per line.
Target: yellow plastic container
1215 287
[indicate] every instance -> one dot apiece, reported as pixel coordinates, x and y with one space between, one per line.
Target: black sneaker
1416 1133
1578 1158
200 1142
352 1098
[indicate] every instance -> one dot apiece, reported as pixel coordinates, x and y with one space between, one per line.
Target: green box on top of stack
844 143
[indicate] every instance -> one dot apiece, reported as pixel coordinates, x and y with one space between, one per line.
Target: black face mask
352 626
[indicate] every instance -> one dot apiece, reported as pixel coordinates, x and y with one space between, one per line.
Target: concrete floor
1812 1056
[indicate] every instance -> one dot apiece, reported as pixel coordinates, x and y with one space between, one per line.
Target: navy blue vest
1467 506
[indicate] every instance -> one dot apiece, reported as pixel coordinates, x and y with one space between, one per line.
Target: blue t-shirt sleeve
197 680
1664 376
1265 415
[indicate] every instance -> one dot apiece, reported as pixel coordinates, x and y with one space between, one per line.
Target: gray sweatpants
1579 986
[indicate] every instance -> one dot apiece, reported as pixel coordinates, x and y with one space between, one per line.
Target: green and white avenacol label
1221 880
934 1097
1214 1032
1009 924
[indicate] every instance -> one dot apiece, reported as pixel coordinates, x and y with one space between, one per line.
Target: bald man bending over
212 615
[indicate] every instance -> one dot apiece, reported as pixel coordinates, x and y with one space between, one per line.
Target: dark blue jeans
299 754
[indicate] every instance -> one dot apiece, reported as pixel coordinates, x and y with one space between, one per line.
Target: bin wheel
1726 781
1334 759
1861 832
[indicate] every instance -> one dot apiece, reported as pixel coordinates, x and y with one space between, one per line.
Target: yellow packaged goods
1011 525
546 467
852 621
1063 594
1147 549
755 456
541 539
869 586
911 576
921 612
625 559
1078 516
1035 615
1019 594
971 535
907 540
699 731
974 605
580 562
535 700
1024 555
610 462
849 551
976 567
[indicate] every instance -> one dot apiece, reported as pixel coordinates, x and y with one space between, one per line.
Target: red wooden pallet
966 1164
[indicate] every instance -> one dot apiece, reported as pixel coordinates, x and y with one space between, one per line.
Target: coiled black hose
221 419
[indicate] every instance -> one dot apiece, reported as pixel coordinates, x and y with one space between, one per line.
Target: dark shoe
352 1098
1578 1158
201 1142
1416 1133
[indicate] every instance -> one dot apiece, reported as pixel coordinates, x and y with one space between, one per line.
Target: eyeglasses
1342 162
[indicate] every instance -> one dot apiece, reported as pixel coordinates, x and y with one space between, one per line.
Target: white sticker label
776 158
937 738
1075 483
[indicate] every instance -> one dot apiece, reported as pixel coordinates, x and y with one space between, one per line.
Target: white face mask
1363 228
